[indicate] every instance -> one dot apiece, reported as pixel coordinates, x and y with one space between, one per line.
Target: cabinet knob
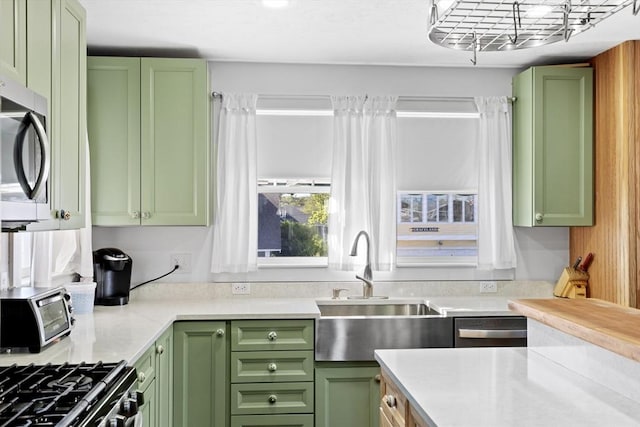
220 332
160 349
141 377
135 215
272 367
65 215
539 217
272 336
273 399
146 215
377 378
390 401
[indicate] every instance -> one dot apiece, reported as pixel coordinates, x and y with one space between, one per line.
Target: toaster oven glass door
54 316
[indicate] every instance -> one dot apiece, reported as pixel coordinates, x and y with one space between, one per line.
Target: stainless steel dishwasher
505 331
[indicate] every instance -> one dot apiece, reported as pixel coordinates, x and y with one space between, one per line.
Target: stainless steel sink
387 309
352 331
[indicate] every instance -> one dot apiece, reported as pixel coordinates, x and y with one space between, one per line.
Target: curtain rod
400 98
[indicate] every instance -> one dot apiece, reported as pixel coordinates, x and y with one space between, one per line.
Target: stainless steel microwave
24 156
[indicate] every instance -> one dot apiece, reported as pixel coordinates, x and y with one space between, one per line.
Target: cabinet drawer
250 335
287 420
272 398
268 366
146 368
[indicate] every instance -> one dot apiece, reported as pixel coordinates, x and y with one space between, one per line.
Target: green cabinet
347 394
68 168
552 147
155 381
13 39
149 137
200 378
272 376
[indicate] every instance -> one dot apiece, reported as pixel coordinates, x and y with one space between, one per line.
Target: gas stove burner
77 383
63 395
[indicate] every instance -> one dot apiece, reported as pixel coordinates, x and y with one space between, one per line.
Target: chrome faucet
367 277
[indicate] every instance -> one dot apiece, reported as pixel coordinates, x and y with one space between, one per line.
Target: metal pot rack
497 25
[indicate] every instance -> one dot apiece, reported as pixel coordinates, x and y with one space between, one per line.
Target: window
437 224
292 220
294 165
446 228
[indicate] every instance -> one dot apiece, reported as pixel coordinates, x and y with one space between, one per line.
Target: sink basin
348 310
352 331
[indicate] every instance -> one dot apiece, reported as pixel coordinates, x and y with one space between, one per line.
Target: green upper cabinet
113 118
552 147
13 39
70 137
149 141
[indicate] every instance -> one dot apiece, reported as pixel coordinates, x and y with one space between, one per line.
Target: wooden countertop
599 322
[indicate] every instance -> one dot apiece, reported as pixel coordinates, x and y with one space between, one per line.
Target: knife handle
577 263
587 262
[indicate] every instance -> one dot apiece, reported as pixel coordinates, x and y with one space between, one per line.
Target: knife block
572 284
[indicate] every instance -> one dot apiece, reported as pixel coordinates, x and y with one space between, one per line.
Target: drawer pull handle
272 336
141 377
272 367
273 399
390 401
160 349
220 332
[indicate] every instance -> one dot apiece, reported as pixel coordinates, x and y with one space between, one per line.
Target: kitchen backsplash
530 289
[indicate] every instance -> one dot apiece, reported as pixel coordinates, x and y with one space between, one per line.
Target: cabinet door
347 394
553 148
175 141
68 167
148 408
40 49
13 39
200 375
164 379
113 121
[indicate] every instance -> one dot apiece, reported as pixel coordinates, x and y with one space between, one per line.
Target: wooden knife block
572 284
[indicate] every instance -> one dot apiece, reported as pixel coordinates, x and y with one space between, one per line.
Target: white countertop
502 387
119 333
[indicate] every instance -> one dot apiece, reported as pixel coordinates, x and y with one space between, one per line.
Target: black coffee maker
112 273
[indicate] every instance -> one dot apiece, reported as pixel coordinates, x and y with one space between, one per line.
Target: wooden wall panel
614 238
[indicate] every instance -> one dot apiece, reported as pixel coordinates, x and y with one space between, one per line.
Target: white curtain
363 179
235 234
66 251
496 247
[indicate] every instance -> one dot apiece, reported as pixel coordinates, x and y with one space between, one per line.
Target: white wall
542 252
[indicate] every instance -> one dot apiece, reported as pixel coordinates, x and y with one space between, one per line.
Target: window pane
438 239
292 224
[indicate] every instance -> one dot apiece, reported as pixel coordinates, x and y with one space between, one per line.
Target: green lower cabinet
164 379
347 394
272 398
200 374
149 407
288 420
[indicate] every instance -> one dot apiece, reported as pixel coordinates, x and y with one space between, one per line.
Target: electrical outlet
240 289
488 287
183 261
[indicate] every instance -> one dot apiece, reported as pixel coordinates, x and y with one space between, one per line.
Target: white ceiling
389 32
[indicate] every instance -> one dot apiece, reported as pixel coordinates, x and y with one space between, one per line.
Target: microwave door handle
31 119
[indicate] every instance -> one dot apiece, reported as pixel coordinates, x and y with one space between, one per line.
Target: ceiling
381 32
